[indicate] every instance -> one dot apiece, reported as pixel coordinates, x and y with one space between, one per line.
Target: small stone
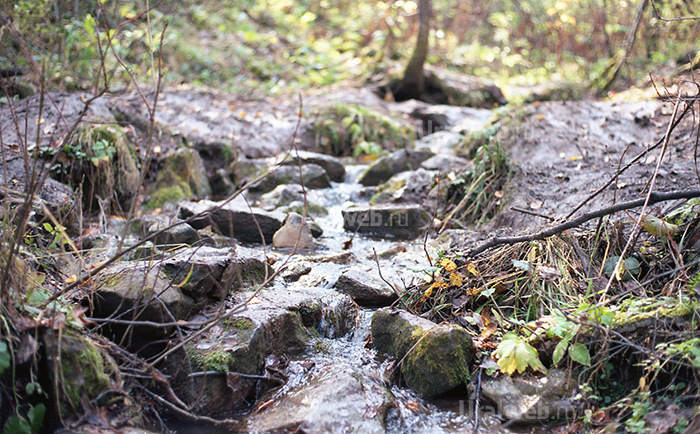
295 232
365 288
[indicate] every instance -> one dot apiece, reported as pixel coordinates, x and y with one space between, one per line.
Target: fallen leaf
455 279
448 264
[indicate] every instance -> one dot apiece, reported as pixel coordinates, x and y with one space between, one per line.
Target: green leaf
5 357
515 354
16 425
36 417
579 353
559 352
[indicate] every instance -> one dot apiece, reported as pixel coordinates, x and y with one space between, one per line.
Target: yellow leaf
473 291
472 269
659 227
448 264
455 279
428 292
70 279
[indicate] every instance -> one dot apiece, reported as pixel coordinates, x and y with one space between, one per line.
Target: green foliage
515 354
29 424
642 405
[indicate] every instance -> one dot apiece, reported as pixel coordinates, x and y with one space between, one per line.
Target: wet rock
218 379
406 187
290 198
387 221
282 195
533 398
313 175
295 232
235 219
315 229
295 271
441 358
150 224
389 165
332 165
332 402
366 288
139 291
181 177
343 258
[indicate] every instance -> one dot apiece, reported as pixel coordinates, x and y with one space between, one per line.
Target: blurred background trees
280 45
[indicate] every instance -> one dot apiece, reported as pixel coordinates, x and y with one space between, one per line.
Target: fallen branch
653 198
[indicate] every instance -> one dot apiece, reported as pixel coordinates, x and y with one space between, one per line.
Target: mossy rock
83 371
351 129
440 361
182 177
101 159
437 357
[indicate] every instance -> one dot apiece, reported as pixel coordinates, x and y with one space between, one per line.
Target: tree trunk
413 83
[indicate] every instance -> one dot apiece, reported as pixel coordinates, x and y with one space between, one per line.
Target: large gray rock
438 357
406 187
389 165
234 219
534 397
387 221
335 401
332 165
313 175
365 288
216 377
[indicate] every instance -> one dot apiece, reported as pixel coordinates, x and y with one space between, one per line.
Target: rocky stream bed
327 345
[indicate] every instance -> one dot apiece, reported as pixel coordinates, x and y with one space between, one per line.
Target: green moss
439 361
83 369
387 190
164 195
112 280
343 128
644 309
321 346
219 361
